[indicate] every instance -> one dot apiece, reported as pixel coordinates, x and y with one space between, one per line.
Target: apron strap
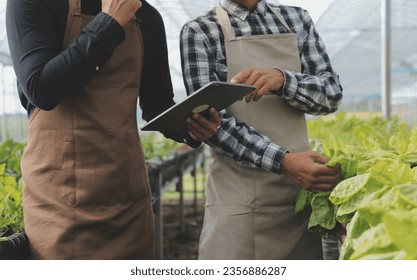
224 21
280 18
229 34
74 10
74 6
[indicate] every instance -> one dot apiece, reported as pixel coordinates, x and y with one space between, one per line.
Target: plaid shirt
316 90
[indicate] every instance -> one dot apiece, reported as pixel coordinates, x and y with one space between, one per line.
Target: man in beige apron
253 206
249 212
93 195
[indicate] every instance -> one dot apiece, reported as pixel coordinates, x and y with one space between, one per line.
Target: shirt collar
241 12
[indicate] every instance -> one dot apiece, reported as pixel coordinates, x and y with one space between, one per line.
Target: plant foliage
377 195
11 185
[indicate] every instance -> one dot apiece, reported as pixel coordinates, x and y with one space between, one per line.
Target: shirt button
97 68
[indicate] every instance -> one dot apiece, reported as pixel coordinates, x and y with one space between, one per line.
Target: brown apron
250 212
86 192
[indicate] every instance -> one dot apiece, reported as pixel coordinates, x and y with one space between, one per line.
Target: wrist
281 79
284 162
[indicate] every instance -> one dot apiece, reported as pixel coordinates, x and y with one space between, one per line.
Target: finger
202 126
255 78
241 77
203 123
195 134
320 158
330 171
327 175
328 182
250 96
337 167
264 89
214 117
320 187
194 127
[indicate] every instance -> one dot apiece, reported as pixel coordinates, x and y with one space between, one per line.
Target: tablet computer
214 94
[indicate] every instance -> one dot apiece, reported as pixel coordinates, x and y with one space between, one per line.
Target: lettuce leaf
401 226
347 188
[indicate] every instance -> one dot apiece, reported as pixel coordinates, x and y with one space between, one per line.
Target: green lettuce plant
11 186
378 186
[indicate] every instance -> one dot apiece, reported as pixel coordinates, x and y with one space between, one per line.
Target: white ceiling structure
175 13
4 49
349 28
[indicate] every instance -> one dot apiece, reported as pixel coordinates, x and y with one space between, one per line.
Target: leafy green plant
11 186
378 184
156 147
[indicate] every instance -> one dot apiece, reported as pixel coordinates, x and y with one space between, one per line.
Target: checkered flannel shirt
316 90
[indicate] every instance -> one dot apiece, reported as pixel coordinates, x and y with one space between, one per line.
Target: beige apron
250 212
87 193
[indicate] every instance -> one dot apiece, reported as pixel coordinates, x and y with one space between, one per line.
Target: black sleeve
156 92
47 74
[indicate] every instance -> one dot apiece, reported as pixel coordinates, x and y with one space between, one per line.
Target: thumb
320 158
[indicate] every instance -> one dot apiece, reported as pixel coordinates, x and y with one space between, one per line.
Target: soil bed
177 246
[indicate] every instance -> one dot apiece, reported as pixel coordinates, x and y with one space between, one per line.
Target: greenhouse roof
4 49
349 28
175 13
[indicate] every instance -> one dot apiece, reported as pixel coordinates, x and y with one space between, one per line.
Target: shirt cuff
272 158
290 86
107 30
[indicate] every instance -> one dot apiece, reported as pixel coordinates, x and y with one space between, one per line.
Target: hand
121 10
265 80
340 231
308 170
201 128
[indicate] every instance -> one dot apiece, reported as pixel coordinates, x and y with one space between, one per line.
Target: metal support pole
3 115
180 188
386 58
194 174
159 225
203 173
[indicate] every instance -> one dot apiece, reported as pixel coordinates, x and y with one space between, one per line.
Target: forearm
313 94
47 74
246 146
316 89
76 65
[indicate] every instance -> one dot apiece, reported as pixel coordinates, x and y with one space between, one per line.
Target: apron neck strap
280 18
224 21
74 6
227 28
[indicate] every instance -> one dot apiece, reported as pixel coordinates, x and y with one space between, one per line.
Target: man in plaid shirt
260 152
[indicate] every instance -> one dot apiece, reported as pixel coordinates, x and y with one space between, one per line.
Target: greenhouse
370 211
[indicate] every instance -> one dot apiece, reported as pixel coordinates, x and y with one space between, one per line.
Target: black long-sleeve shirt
47 73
